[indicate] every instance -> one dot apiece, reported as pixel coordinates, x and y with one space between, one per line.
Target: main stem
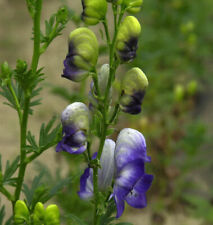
105 123
23 132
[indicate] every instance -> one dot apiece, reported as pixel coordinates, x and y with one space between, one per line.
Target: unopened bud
192 87
179 92
127 39
82 56
38 214
93 11
133 87
132 6
62 15
21 213
52 215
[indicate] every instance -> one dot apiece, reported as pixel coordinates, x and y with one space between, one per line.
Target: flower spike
134 84
75 122
93 11
82 56
127 39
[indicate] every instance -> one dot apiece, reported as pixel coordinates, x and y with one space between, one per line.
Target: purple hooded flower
75 122
124 161
105 174
131 181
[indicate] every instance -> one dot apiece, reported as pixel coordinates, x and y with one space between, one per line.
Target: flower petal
128 176
144 183
130 145
136 199
86 184
105 174
119 195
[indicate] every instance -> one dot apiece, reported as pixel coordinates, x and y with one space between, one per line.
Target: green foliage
53 27
73 220
40 191
25 84
10 168
200 207
107 218
2 214
48 137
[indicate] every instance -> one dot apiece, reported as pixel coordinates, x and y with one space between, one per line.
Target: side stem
27 99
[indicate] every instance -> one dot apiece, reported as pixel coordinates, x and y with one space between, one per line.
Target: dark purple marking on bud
129 52
134 107
70 69
73 141
84 7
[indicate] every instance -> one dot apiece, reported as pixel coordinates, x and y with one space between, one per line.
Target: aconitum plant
116 169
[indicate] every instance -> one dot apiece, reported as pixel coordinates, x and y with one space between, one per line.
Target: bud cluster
48 216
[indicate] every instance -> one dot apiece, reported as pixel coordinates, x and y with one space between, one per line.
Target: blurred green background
176 53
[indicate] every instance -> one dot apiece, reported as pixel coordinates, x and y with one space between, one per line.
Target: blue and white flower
125 163
105 174
75 122
131 181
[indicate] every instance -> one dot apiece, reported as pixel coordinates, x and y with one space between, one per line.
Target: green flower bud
38 214
52 215
133 87
82 56
132 6
21 66
21 213
103 77
192 87
62 15
93 11
5 71
127 39
179 92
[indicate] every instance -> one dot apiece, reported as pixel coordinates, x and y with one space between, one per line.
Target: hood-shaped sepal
133 88
82 56
93 11
127 39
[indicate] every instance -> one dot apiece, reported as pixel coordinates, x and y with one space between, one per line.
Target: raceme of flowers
122 163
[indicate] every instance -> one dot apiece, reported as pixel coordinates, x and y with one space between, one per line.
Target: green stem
88 150
115 112
51 37
23 133
22 150
6 193
18 107
95 185
115 12
106 30
95 80
36 50
105 108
